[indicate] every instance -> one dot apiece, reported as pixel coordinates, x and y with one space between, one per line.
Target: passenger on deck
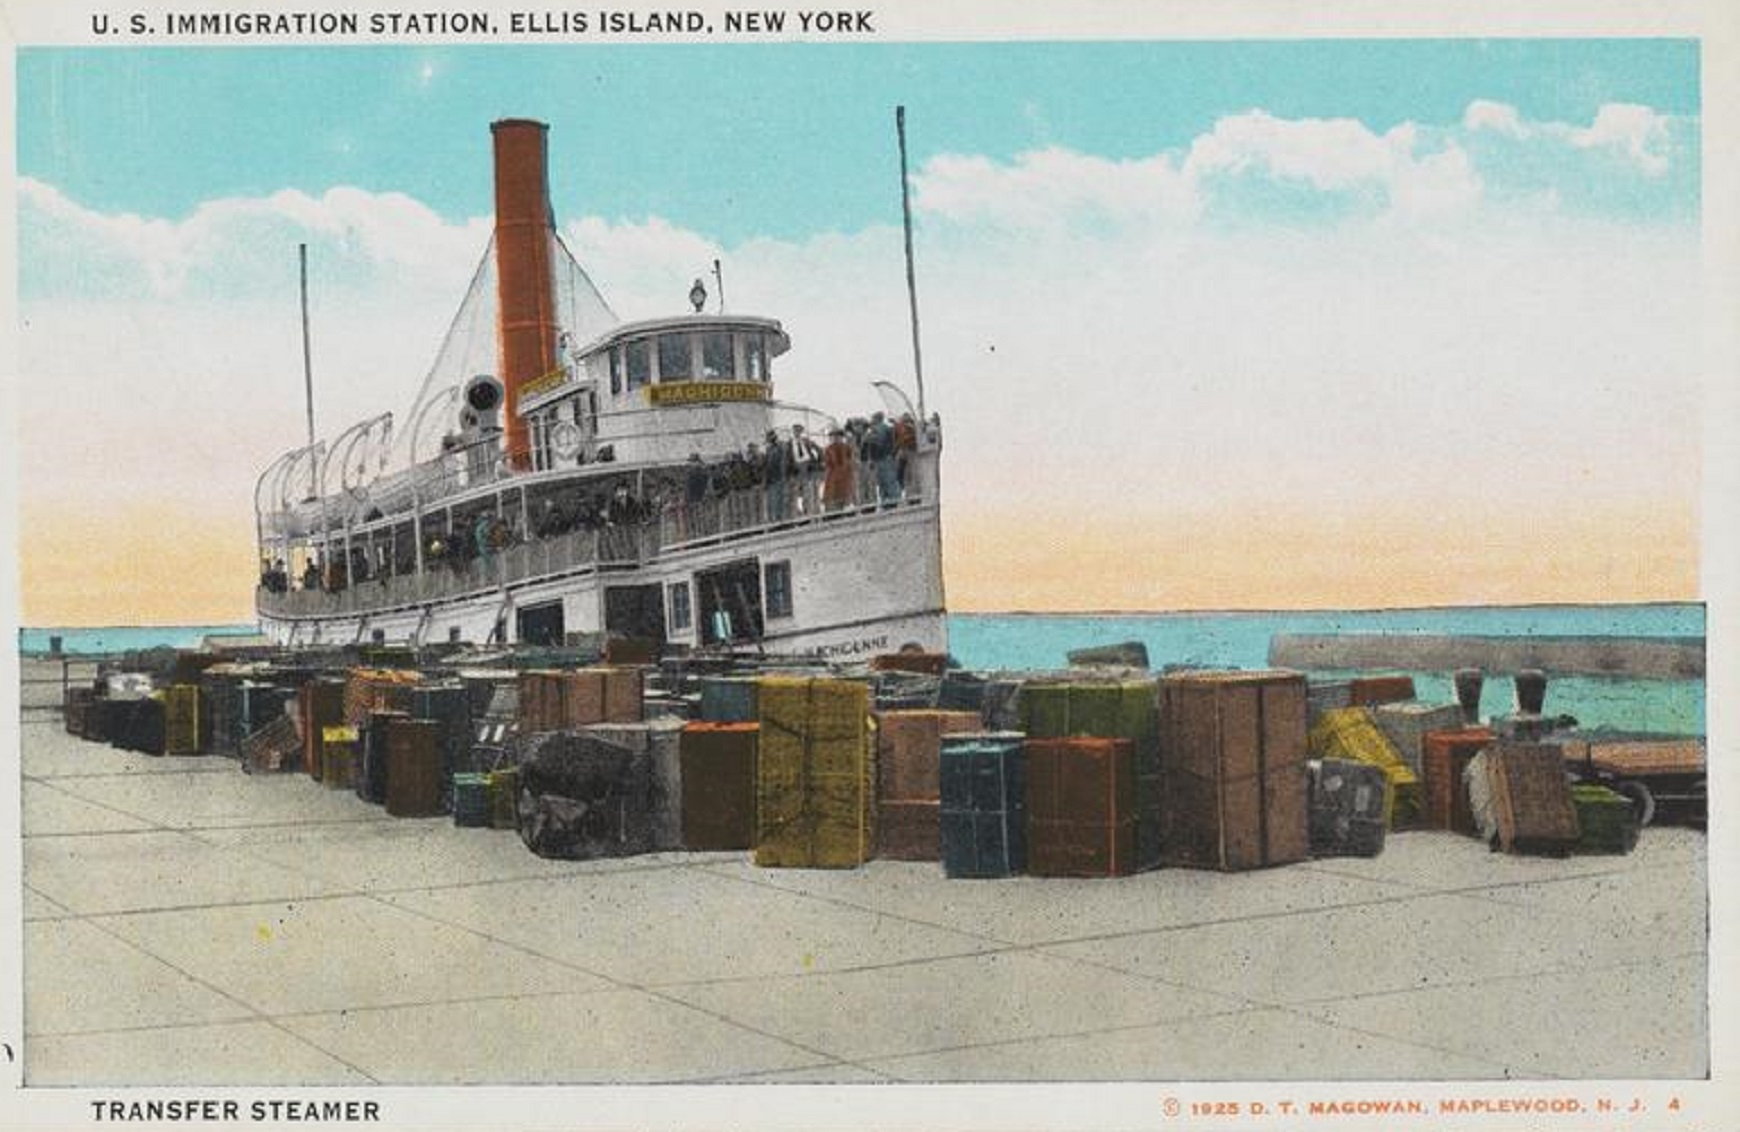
622 510
776 476
879 454
838 488
905 445
311 576
807 463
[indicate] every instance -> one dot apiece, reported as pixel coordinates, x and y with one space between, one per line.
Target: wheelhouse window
717 361
778 582
681 614
676 362
637 363
754 357
539 426
616 369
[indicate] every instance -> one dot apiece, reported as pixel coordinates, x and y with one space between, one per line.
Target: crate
1111 710
338 756
1347 808
1081 807
624 693
1233 779
272 749
1606 822
1445 756
815 774
718 785
982 812
1369 691
448 706
542 699
1531 799
184 720
1405 726
1353 734
413 782
321 704
728 699
504 798
908 753
471 800
369 775
924 663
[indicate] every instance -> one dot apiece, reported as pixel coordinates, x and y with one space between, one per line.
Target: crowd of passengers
865 460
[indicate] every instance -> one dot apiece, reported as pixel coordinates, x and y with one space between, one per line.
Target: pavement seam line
255 1013
617 983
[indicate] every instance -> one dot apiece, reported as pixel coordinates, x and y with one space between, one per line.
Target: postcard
1062 565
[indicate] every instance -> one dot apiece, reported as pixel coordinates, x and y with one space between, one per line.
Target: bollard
1468 684
1531 691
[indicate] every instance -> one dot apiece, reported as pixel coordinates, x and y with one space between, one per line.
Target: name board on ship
696 392
545 383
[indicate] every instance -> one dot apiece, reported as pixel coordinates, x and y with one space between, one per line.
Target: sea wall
1666 658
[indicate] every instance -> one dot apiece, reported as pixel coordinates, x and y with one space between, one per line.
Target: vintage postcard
1050 565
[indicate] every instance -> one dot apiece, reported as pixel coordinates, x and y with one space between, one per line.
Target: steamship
587 485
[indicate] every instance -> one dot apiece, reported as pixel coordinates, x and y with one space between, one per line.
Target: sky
1210 325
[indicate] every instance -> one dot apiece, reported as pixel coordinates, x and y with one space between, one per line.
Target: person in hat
838 488
776 475
806 458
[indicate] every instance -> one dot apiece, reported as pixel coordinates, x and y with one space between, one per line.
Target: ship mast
307 366
911 284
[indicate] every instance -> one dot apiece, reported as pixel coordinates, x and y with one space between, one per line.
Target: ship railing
799 500
678 525
451 578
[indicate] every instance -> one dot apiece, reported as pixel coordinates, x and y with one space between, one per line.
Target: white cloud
1498 116
1088 337
1638 131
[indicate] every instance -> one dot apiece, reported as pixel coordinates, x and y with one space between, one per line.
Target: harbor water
1018 641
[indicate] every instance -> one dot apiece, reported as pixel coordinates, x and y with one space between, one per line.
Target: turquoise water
1241 640
1238 640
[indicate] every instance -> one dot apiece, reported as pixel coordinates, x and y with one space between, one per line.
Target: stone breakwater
1662 658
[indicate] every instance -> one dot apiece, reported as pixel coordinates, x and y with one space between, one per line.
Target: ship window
675 362
616 370
717 363
540 430
778 589
681 616
637 363
755 357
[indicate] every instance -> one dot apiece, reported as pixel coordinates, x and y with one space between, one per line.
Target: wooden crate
1232 761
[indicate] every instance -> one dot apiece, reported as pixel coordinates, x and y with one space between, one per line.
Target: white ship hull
862 582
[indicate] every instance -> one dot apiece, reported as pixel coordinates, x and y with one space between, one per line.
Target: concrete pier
1665 658
185 923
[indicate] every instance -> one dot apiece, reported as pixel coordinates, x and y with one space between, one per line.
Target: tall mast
307 363
911 284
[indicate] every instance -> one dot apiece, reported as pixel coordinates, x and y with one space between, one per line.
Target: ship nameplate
697 392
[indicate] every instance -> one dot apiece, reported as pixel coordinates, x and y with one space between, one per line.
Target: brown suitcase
1081 807
413 768
624 691
718 785
908 794
321 705
1234 787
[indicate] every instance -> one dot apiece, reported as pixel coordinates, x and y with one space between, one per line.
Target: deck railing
678 524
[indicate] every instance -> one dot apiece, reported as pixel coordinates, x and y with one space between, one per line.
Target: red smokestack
524 282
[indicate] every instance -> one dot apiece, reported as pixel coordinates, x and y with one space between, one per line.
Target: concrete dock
186 923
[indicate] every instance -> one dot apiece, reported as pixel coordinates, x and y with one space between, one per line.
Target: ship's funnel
525 284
